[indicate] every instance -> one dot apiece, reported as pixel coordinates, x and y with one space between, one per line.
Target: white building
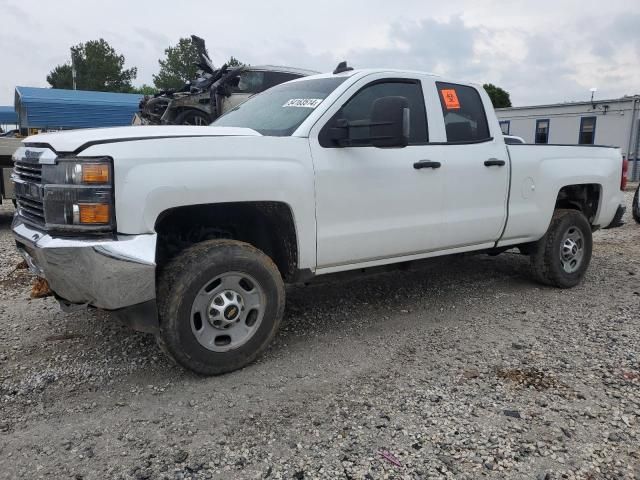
600 122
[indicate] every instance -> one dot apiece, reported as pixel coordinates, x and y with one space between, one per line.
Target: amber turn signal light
94 213
95 173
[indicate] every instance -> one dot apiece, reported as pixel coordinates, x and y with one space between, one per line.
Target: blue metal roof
55 108
7 115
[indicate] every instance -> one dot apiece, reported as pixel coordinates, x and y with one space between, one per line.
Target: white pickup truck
192 232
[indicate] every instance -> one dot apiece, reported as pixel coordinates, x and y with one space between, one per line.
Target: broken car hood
77 140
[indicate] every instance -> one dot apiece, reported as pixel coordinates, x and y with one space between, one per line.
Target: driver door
372 205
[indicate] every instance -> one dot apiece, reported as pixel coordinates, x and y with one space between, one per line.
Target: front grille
28 175
28 171
31 210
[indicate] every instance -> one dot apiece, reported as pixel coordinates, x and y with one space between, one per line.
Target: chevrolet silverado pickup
192 232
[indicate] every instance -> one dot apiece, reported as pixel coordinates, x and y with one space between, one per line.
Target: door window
358 111
271 79
250 82
464 116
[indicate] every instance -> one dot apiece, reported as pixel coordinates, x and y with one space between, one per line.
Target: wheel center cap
231 312
225 309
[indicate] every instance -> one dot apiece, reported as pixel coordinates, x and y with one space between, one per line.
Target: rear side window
464 116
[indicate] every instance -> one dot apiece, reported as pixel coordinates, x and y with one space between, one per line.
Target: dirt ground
462 369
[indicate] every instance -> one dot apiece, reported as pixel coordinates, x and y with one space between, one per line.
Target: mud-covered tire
548 265
635 208
193 117
184 278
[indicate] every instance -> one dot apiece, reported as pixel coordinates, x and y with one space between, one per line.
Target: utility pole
73 72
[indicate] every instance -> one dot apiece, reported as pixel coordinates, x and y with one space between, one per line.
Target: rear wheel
220 304
635 210
193 117
562 256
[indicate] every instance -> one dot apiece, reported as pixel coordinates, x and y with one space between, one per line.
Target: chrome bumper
105 273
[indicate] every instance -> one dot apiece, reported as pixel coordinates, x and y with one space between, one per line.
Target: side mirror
390 122
388 126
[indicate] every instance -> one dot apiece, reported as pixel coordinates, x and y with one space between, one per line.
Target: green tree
234 62
499 97
98 67
145 89
178 66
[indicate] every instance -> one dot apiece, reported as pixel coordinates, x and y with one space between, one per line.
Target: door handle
494 162
426 164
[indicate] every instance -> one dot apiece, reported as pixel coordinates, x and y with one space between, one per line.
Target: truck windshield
279 111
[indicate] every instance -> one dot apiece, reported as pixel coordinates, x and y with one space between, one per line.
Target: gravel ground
461 369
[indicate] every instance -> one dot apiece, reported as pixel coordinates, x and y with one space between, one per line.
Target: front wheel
635 209
193 117
562 256
220 304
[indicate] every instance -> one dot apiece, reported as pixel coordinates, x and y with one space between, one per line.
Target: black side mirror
390 125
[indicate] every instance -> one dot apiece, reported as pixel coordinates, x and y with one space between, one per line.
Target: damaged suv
213 93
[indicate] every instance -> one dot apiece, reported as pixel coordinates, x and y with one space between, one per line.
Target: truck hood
77 140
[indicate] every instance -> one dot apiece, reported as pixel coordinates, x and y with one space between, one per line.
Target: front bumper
110 274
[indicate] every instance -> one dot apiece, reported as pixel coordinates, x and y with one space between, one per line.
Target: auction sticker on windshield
303 102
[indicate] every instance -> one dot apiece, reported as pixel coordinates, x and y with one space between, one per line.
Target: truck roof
368 71
280 68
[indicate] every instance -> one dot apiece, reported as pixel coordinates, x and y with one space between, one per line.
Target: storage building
8 117
55 109
613 122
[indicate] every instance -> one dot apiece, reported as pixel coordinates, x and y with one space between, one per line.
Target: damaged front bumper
116 274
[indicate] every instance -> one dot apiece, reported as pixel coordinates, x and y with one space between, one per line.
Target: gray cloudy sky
540 51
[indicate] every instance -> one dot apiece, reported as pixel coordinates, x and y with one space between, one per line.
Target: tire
193 117
562 256
220 276
635 208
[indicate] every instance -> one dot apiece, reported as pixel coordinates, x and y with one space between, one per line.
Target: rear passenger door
476 164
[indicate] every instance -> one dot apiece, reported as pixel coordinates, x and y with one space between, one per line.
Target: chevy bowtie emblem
32 154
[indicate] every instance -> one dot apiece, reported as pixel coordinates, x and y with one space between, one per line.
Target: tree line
99 67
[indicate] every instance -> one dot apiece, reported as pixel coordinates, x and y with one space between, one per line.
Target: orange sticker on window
450 99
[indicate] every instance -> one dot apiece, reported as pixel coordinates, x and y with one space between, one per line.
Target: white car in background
513 140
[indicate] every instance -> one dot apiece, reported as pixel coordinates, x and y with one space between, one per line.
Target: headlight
78 194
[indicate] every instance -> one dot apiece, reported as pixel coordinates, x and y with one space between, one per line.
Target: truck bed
538 172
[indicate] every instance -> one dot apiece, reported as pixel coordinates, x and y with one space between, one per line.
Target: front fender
157 175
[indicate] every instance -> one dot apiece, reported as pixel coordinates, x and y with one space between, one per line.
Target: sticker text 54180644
303 102
450 98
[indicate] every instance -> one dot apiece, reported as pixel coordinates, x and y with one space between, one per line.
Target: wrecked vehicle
213 93
192 232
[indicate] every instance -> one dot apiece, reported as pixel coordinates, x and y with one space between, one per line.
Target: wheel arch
584 197
267 225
